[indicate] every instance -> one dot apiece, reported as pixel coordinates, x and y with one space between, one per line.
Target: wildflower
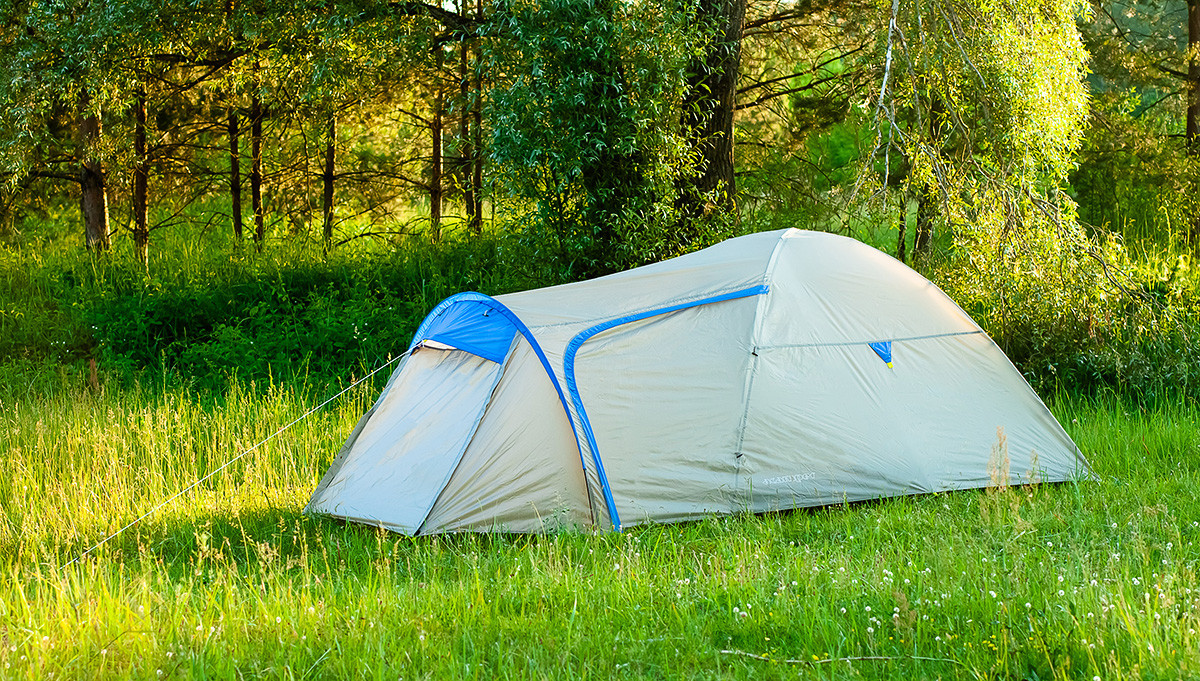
870 630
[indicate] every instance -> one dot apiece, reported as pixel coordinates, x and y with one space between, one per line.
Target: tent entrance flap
408 450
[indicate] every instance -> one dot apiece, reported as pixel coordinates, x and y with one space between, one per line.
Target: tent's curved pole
572 387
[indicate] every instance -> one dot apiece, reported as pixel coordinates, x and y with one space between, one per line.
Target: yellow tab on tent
884 350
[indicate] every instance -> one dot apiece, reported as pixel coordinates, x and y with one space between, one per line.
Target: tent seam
931 336
573 388
755 337
487 406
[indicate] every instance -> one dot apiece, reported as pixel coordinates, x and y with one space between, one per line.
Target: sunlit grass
1061 581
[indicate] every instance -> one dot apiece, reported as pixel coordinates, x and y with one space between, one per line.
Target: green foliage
1084 314
212 315
1135 176
582 124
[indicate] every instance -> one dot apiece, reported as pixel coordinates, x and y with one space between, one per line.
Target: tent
772 371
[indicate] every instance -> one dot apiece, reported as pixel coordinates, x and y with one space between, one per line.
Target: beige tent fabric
521 471
740 377
413 442
665 399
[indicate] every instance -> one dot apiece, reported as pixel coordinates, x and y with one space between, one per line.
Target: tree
583 116
708 108
985 106
1139 168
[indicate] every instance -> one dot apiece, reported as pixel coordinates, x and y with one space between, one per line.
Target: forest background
196 191
215 214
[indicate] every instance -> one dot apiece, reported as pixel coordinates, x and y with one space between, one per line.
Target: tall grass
1047 581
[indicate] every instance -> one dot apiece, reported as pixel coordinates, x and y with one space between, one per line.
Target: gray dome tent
771 371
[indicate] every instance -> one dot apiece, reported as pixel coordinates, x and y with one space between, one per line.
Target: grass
231 580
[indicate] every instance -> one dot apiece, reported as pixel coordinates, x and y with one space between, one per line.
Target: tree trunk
256 116
477 137
435 173
708 109
93 190
327 186
926 205
141 227
235 176
1193 109
466 165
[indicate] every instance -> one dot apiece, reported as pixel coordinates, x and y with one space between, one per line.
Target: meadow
215 350
1077 580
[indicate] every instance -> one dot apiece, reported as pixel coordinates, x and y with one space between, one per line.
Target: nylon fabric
858 430
665 420
693 401
521 472
405 452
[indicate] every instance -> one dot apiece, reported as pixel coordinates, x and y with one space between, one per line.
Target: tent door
407 451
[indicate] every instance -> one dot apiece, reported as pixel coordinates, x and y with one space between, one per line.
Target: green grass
231 580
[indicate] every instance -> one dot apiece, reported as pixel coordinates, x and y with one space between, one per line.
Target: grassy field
1091 580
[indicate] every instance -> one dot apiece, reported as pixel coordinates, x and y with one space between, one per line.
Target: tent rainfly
772 371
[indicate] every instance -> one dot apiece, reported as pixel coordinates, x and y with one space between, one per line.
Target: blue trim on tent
573 388
466 322
883 349
432 328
